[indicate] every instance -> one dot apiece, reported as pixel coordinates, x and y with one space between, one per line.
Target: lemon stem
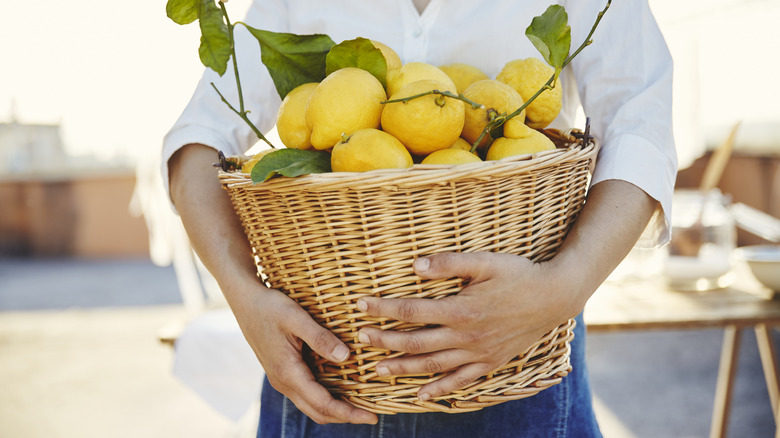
495 120
445 93
479 140
242 112
588 39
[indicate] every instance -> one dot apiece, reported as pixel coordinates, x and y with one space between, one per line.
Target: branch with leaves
293 60
552 37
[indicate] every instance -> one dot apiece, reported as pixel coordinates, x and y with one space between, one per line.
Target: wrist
570 282
236 278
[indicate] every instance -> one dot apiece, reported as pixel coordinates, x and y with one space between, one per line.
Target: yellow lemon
463 75
514 129
462 144
527 76
391 57
424 124
506 147
249 164
345 101
369 149
291 118
450 156
497 99
416 71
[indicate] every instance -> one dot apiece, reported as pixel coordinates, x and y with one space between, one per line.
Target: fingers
411 342
276 328
443 311
322 341
290 375
298 384
447 265
429 351
321 407
433 363
458 379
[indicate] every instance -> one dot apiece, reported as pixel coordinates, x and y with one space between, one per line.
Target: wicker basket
328 239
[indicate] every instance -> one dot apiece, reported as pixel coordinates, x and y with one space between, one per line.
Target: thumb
449 264
322 341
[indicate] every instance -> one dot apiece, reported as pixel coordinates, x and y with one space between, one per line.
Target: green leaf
360 53
182 11
551 35
291 163
214 47
291 59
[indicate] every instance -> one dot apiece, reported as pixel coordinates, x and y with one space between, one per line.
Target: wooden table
649 304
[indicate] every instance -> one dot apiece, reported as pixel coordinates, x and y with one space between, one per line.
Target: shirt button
417 32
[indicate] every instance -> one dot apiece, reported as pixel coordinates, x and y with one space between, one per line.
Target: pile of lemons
348 114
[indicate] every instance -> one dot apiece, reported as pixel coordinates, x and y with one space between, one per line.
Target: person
623 83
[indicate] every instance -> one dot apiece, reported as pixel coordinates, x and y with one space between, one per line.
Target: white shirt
623 80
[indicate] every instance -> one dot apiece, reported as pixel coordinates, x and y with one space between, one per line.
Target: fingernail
382 371
424 396
363 338
362 305
341 353
421 265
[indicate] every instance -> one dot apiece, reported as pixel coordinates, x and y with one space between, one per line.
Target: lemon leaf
360 53
214 47
551 35
182 11
291 59
290 162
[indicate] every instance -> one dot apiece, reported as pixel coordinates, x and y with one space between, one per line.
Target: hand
276 328
508 305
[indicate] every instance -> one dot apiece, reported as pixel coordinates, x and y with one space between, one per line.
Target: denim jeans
562 410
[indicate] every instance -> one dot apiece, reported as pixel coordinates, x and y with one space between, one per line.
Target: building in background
26 148
54 204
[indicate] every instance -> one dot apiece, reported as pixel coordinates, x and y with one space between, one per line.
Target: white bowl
764 262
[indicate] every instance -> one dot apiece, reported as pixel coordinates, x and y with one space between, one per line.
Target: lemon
424 124
451 156
391 57
463 75
416 71
462 144
249 164
517 130
507 147
346 100
369 149
291 118
497 98
527 76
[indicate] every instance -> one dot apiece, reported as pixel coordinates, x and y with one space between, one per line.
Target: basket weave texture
328 239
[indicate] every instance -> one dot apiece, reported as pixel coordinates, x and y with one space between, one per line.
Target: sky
116 75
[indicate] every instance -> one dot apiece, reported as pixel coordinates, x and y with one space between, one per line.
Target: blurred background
97 279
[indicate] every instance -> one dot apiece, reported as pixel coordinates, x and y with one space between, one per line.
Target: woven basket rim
415 176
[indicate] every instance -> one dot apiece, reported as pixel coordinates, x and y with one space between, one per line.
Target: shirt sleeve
207 119
624 81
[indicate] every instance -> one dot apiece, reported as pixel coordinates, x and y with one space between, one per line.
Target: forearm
214 229
611 221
